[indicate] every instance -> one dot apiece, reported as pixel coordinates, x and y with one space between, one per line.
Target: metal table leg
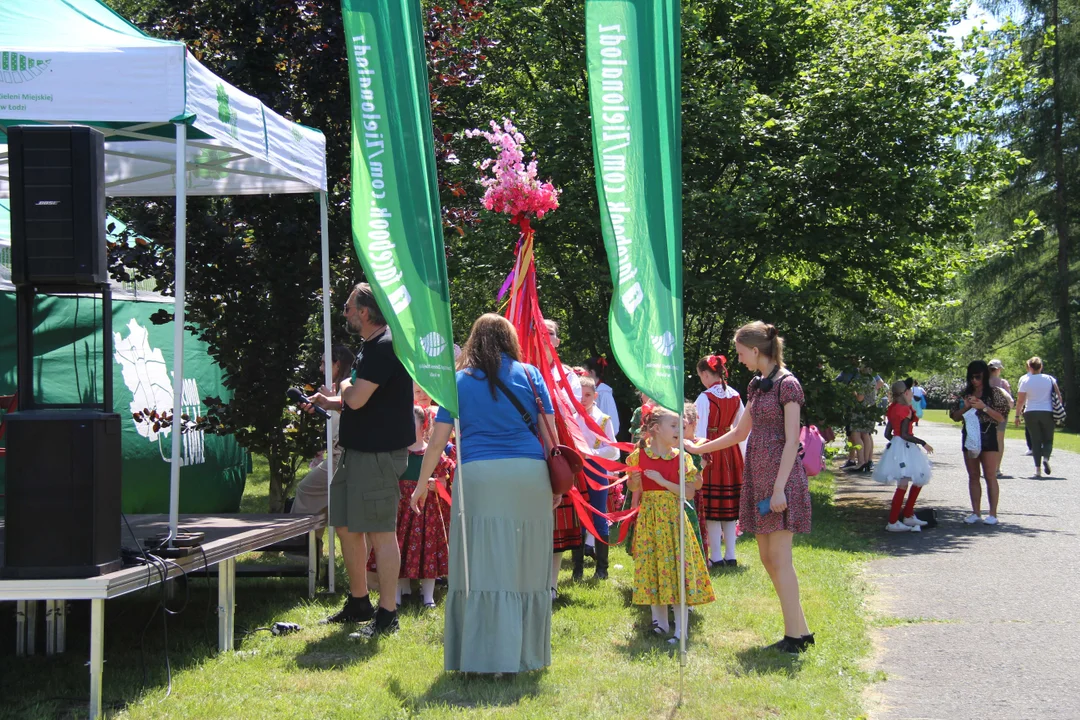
50 627
31 626
226 603
97 655
223 602
313 564
232 603
20 628
60 611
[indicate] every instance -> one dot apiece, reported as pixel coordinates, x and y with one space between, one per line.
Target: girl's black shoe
805 642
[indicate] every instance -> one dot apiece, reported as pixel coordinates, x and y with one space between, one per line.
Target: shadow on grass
58 686
471 690
759 661
863 505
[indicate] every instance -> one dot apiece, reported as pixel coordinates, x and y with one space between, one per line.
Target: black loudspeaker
57 205
63 494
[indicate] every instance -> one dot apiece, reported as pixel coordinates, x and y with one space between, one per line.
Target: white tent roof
76 61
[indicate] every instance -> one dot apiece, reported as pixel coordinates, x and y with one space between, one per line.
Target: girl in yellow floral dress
655 473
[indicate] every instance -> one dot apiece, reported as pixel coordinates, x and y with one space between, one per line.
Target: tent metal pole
324 221
176 460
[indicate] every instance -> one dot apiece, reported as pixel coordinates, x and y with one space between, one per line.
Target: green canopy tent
172 128
67 343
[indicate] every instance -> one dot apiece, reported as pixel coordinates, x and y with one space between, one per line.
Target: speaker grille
58 205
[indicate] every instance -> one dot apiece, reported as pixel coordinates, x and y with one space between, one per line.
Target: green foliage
1016 296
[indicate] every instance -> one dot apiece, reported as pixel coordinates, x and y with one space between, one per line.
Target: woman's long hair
491 337
976 367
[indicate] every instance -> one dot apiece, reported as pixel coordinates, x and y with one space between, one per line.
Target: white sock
404 587
427 589
556 562
729 538
660 616
716 535
678 622
590 540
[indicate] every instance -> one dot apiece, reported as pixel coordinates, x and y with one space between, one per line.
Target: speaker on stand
62 514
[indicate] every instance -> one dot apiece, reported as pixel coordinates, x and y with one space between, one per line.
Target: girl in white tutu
903 462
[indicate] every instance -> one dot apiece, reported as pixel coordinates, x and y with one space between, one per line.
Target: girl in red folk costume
654 473
902 461
422 537
775 500
719 409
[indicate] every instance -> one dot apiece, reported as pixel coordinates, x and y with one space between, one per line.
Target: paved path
994 631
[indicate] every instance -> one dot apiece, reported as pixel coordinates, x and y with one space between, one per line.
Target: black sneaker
356 610
787 644
385 623
803 644
1046 466
731 563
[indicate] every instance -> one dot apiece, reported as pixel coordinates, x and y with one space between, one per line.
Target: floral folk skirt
656 549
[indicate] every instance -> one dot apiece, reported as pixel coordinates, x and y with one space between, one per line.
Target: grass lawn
1063 439
604 663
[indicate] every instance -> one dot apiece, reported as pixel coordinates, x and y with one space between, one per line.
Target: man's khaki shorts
365 490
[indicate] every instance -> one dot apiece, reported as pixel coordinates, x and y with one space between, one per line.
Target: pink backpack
813 450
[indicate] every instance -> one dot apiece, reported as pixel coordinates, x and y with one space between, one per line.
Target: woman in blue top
503 624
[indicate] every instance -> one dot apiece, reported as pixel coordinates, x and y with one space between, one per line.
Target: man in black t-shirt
376 430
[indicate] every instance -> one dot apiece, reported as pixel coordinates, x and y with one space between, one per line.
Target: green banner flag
633 57
396 219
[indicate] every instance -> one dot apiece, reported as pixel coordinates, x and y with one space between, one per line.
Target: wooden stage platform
226 538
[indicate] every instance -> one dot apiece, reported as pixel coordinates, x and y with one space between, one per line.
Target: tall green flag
633 55
396 221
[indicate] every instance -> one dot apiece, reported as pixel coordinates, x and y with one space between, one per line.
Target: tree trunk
282 474
1067 381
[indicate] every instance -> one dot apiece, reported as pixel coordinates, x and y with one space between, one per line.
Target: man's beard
350 329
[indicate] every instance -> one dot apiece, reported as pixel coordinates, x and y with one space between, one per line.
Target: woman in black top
992 408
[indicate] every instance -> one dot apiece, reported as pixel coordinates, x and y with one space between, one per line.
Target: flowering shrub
513 188
942 390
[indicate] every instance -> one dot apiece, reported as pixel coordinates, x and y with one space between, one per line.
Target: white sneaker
972 519
914 528
990 520
898 527
1028 453
915 522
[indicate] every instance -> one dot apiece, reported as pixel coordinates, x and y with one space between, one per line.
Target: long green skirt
504 624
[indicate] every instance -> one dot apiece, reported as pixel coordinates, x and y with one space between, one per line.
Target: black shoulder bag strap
526 416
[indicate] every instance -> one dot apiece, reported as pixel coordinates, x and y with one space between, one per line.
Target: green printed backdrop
68 366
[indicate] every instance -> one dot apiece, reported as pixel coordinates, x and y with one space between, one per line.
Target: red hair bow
602 361
646 412
718 364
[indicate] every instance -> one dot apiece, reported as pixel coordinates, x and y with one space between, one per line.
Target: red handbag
564 462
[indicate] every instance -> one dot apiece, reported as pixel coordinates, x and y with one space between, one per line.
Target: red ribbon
585 511
443 492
